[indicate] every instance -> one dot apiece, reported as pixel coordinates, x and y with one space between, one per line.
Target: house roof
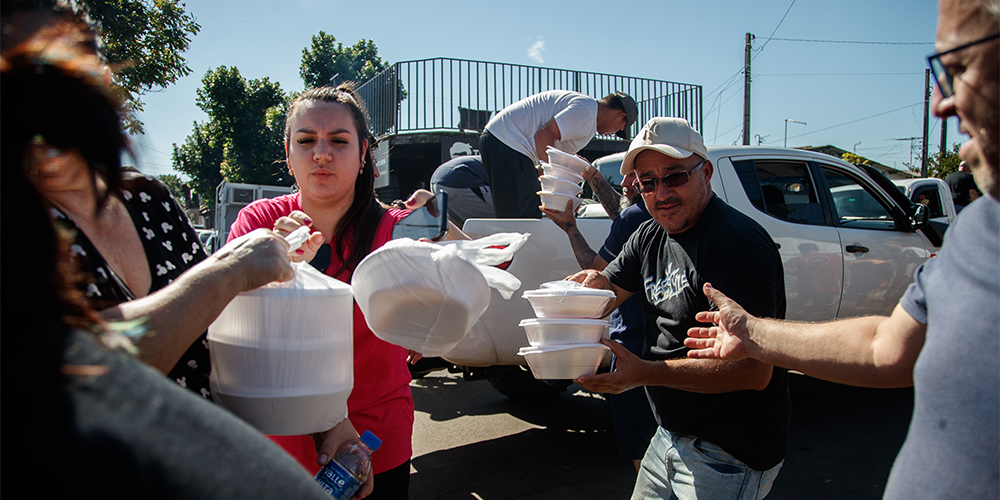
838 153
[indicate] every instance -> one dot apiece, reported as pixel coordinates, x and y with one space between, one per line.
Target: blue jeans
686 467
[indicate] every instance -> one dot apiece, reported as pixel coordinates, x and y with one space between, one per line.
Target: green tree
200 158
177 187
854 159
242 139
143 41
940 165
327 61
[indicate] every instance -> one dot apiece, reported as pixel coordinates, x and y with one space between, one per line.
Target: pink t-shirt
381 400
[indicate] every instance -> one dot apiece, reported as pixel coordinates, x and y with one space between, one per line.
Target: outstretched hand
729 339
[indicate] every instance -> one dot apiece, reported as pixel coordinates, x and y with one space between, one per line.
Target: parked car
933 192
849 240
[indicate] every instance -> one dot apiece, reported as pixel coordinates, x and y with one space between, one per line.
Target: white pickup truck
849 240
932 192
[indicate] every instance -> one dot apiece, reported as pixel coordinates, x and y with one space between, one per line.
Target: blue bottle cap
370 440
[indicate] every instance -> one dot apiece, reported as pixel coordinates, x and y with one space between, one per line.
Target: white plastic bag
426 296
282 355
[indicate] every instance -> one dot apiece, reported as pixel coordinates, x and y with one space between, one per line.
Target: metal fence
459 94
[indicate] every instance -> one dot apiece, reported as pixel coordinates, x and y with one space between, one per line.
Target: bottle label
337 481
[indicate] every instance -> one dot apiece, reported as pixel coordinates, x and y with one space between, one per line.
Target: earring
361 171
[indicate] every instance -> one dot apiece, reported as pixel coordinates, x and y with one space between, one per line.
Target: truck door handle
856 248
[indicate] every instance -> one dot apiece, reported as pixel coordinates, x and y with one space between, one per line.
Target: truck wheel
518 384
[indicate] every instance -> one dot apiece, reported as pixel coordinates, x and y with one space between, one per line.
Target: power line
858 120
761 49
848 41
837 74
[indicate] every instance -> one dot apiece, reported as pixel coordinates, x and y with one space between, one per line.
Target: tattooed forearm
581 249
609 198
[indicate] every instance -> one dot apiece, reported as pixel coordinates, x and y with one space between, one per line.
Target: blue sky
846 93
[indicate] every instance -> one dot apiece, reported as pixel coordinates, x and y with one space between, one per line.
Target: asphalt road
471 442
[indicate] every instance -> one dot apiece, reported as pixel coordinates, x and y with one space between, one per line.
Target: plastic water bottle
343 475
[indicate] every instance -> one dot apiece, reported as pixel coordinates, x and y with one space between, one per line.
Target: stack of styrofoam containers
562 180
282 355
565 337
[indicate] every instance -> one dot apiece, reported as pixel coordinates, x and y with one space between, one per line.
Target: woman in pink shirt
329 152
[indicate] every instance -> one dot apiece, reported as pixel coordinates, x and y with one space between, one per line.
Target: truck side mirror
919 216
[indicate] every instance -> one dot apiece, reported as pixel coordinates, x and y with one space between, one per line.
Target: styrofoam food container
563 173
560 331
557 201
563 361
282 355
566 160
557 185
575 302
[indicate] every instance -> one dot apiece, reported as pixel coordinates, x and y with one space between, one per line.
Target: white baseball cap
673 137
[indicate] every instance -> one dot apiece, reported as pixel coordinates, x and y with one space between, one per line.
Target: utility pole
927 121
944 136
746 92
911 139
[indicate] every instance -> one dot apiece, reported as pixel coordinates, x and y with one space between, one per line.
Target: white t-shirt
575 113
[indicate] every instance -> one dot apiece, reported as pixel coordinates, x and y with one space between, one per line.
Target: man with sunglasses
723 426
943 338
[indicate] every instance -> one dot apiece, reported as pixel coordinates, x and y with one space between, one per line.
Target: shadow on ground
842 444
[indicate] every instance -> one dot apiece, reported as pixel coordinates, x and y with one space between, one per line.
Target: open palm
728 339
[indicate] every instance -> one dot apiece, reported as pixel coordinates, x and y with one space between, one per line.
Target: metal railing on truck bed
460 94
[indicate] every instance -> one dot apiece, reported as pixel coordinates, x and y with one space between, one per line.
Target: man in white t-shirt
515 139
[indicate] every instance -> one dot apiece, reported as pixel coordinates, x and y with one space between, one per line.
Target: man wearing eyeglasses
723 426
943 338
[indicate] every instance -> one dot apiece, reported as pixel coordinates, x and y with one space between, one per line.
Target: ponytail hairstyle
361 220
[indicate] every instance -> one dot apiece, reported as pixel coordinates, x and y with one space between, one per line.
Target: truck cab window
781 189
854 204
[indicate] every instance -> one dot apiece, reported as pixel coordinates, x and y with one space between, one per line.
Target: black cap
631 113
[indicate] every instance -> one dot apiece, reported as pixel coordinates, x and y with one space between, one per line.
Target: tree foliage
143 41
176 186
328 62
242 139
854 159
940 165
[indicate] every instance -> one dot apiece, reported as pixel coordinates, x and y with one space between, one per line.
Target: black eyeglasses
676 179
944 79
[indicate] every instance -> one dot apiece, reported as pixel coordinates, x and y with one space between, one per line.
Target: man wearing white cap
723 426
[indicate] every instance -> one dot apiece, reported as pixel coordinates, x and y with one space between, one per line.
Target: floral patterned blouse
172 247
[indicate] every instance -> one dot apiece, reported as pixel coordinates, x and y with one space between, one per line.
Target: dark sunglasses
676 179
944 79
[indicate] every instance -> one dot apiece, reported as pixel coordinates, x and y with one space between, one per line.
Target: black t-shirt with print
736 255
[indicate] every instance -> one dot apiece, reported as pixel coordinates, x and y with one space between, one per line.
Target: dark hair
613 101
54 94
50 96
361 220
